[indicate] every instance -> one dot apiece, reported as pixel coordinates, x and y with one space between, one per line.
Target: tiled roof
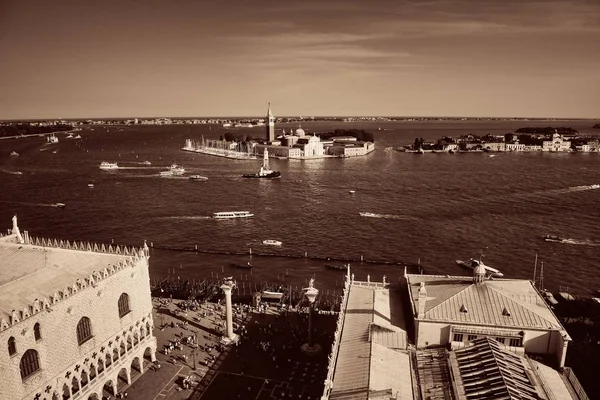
488 371
29 272
499 302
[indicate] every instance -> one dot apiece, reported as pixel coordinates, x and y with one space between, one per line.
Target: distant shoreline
38 134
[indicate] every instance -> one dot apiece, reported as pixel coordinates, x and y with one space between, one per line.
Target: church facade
75 318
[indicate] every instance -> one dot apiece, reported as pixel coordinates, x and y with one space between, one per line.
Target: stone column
230 337
228 311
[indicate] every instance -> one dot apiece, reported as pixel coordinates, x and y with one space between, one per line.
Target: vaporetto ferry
232 214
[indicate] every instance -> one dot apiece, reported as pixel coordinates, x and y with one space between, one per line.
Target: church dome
300 132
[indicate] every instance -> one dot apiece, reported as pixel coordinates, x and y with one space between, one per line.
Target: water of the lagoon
439 207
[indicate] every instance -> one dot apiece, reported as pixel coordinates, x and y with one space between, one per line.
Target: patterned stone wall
64 365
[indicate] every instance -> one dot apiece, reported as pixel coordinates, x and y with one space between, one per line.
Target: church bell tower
270 125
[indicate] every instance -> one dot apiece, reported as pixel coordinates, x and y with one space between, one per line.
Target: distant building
270 125
75 318
556 144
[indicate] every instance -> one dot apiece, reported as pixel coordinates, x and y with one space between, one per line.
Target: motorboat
198 178
177 170
552 238
108 165
242 266
146 163
52 139
271 294
351 191
60 205
472 263
77 137
90 185
549 297
265 171
272 242
368 214
232 214
14 153
174 170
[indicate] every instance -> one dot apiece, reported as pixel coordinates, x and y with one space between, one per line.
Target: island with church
294 144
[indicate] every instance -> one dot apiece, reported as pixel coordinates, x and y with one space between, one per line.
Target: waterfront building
75 318
371 357
270 125
557 143
453 310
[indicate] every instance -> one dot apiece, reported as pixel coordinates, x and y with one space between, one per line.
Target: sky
472 58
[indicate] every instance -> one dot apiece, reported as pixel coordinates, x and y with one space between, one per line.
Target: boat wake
187 217
572 189
385 216
574 242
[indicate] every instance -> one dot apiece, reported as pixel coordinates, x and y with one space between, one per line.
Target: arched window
37 331
30 363
84 330
12 346
124 305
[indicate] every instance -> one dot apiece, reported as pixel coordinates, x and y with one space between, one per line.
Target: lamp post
311 294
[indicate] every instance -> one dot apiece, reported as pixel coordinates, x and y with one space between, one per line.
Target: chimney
422 301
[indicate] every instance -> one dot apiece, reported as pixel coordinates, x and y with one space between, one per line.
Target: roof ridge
522 306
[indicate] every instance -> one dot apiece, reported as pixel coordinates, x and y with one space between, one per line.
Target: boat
368 214
342 267
243 266
146 163
272 242
271 294
14 153
177 170
351 191
108 165
90 185
77 137
265 171
595 186
549 297
69 136
552 238
472 263
60 205
198 178
52 139
174 170
232 214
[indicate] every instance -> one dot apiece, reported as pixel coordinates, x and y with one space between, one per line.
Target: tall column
228 311
227 286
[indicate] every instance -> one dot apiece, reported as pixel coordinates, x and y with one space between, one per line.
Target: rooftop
372 361
38 269
499 302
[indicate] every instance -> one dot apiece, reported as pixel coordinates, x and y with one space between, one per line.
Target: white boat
146 163
60 205
232 214
14 153
272 242
90 185
368 214
472 263
351 191
198 178
108 165
52 139
77 137
174 170
270 294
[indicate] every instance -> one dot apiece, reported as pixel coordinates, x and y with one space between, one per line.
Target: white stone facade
121 337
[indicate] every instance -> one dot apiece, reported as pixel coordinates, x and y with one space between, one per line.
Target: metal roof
498 302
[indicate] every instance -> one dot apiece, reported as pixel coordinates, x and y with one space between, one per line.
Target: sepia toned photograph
300 200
